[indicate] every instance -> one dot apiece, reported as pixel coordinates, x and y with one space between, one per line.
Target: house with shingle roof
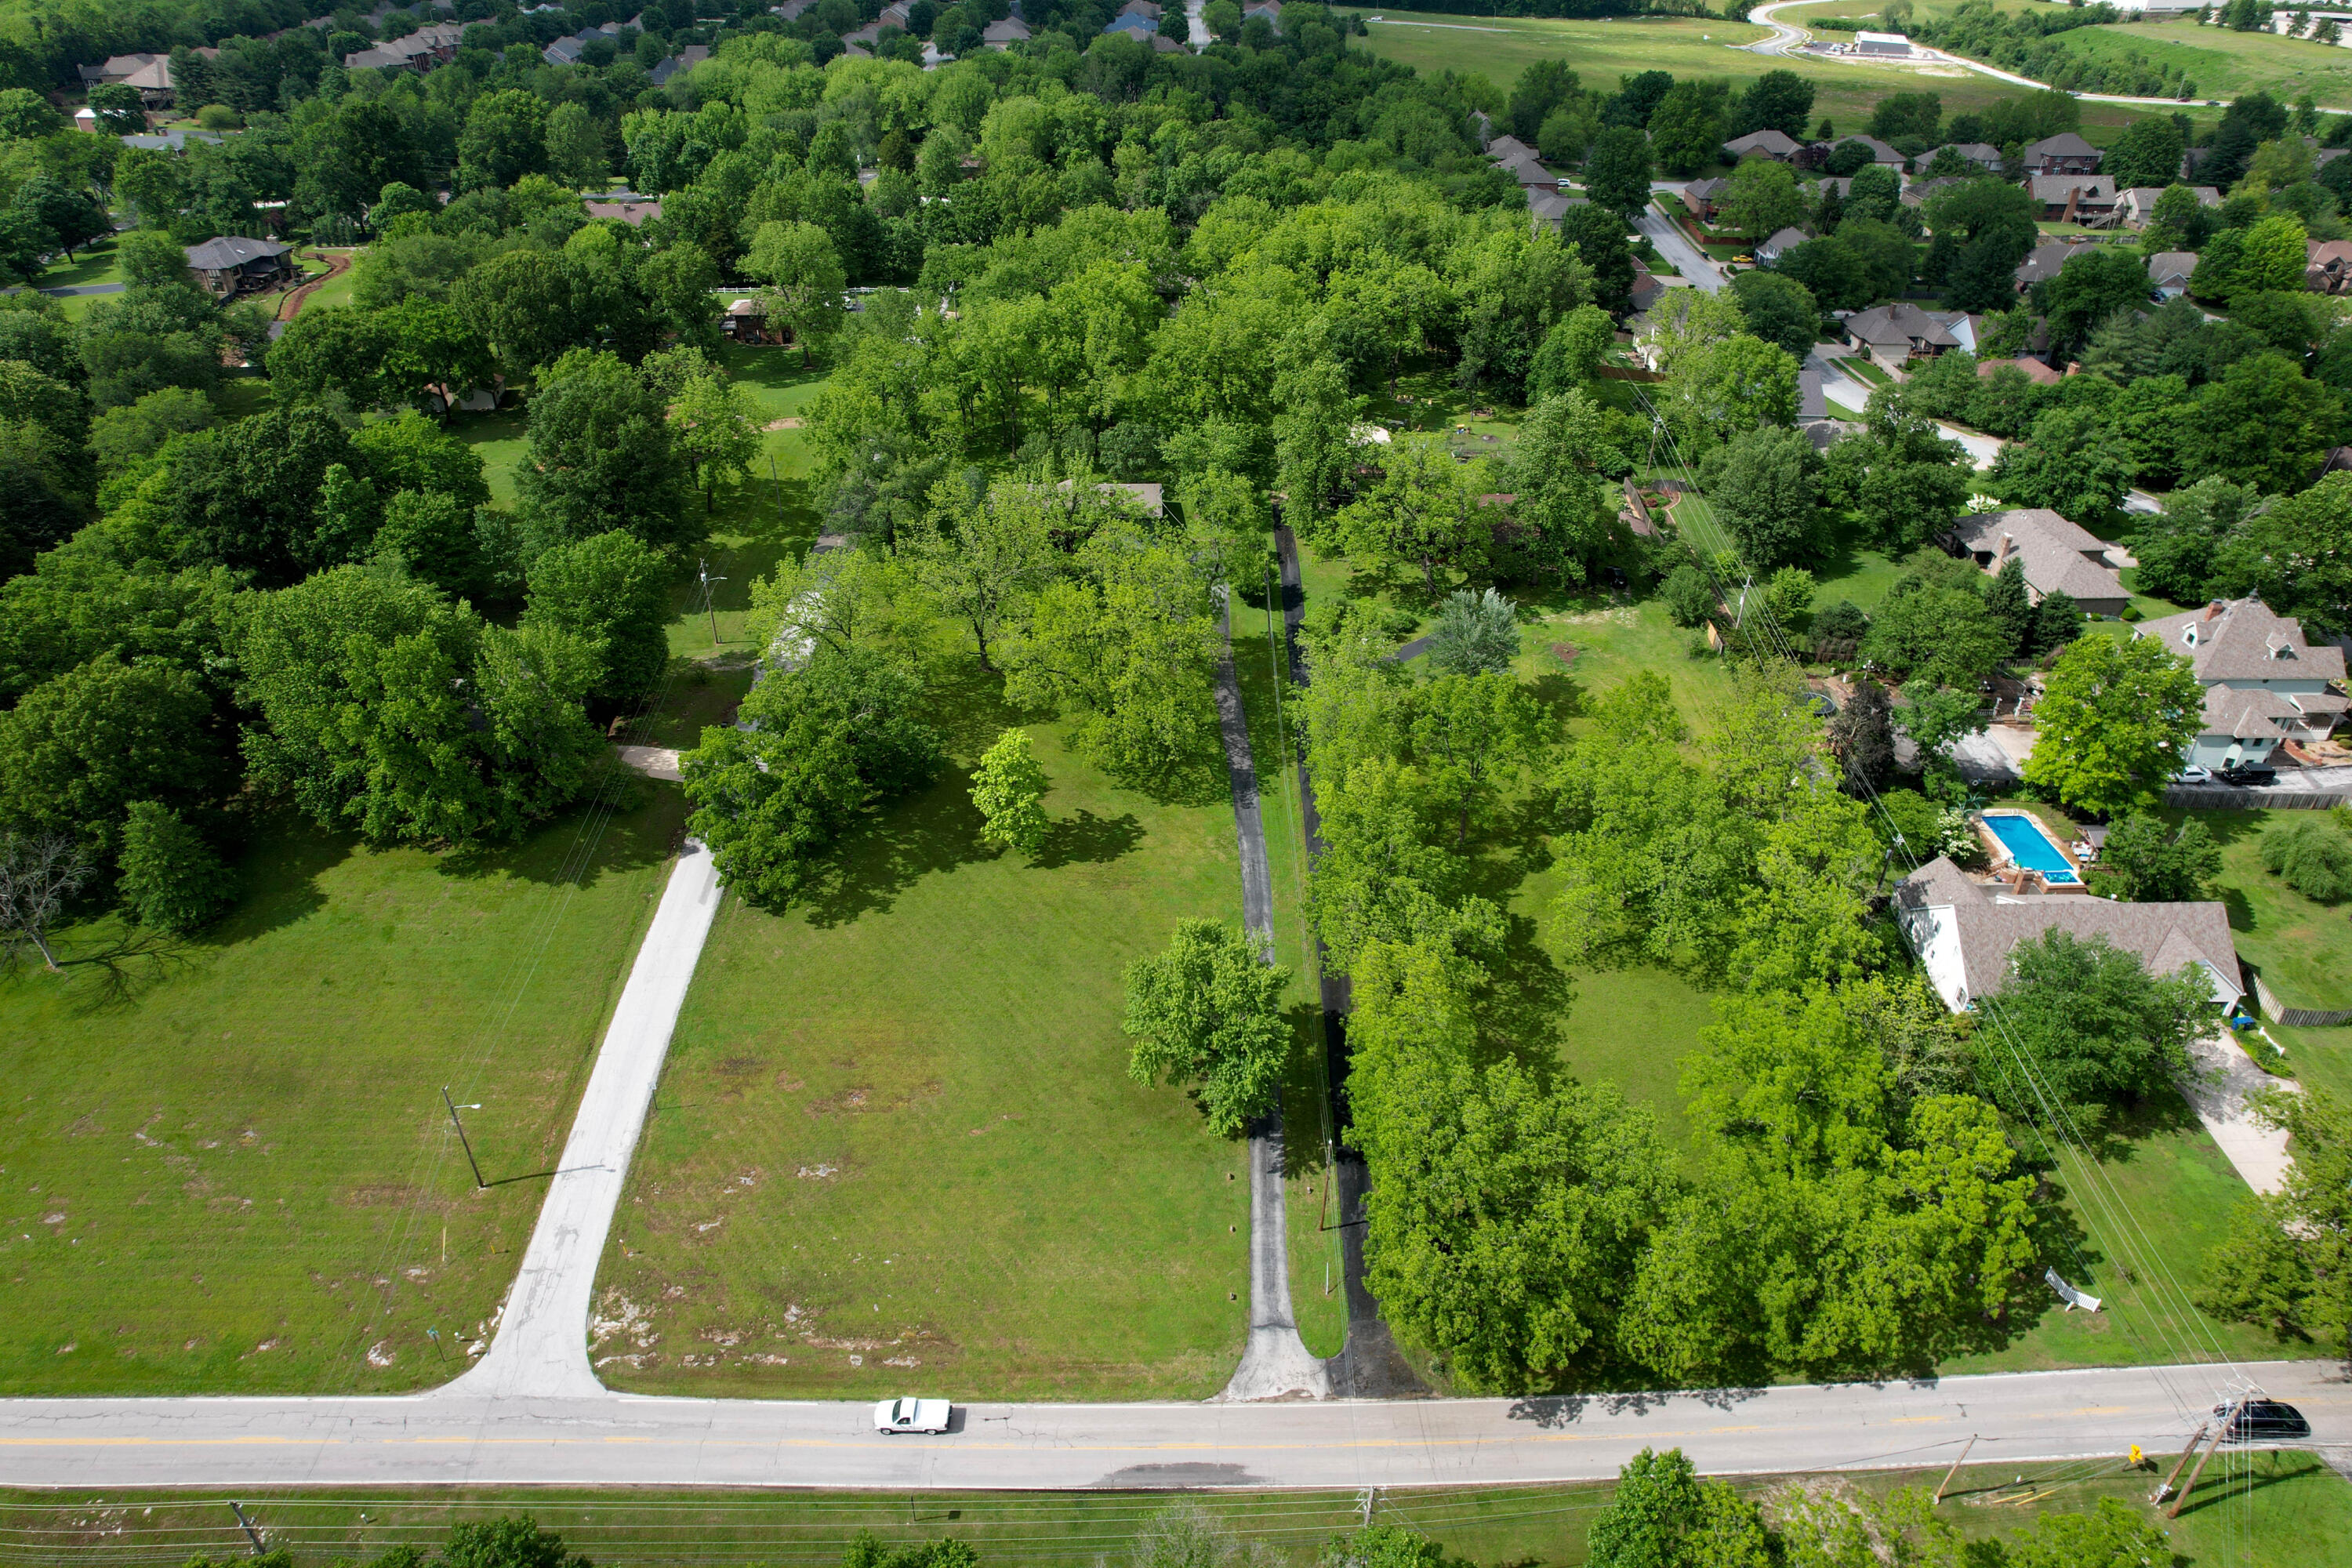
2168 272
1880 152
1964 931
1894 336
1983 154
1530 174
1777 145
2135 207
2046 260
1780 245
2057 556
231 265
2074 198
1506 147
1702 196
2263 681
2064 153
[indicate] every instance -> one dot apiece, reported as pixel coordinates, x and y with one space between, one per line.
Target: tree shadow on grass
934 831
1305 1107
1087 839
638 826
116 973
278 878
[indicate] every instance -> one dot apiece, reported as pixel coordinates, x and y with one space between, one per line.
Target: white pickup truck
912 1416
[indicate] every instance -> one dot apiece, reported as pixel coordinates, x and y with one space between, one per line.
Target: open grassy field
895 1130
2303 948
2225 64
2266 1510
1602 50
2259 1510
225 1165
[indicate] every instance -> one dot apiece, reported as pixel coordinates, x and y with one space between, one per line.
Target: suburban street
452 1438
1686 257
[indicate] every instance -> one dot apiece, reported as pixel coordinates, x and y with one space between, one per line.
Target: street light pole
710 603
463 1141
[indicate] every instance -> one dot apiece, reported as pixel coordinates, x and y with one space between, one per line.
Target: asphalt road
1686 258
614 1439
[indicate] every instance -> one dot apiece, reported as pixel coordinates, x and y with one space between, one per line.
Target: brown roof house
1777 145
1004 34
1530 174
230 266
1896 335
1964 931
151 74
1702 196
1880 152
2263 682
2074 198
1507 146
2064 153
2328 265
2057 556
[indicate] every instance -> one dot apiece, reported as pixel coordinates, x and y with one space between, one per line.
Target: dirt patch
1563 652
786 424
380 1194
861 1097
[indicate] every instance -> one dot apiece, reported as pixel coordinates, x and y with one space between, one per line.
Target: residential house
2045 261
1531 174
2057 556
1161 43
866 37
150 73
1881 46
1880 152
2168 272
626 206
1648 289
1983 154
1919 192
2074 198
1777 145
2265 683
678 64
1702 196
1506 147
1135 25
791 10
1780 245
1964 931
230 266
2033 370
2328 265
1004 34
2064 153
856 51
1269 9
1895 335
1812 189
894 14
1546 208
2136 208
418 51
568 51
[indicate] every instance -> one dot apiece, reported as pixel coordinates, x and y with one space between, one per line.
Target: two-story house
2064 153
2263 683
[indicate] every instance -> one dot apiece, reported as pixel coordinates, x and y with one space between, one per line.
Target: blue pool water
2031 847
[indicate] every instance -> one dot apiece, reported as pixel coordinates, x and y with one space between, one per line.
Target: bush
171 879
1689 597
2312 856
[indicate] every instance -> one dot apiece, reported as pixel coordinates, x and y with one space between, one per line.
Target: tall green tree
2098 1030
2114 720
1421 514
1662 1515
1208 1012
1763 487
1007 787
603 455
611 592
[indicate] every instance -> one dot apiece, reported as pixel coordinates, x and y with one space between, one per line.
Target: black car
2264 1421
2248 773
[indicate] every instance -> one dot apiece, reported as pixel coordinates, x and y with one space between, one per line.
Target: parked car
2248 773
2193 775
912 1416
2264 1420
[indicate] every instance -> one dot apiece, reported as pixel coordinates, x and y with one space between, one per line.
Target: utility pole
246 1525
462 1140
710 603
1364 1504
1945 1485
2221 1435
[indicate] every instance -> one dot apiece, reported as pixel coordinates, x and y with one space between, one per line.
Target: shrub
170 880
1689 597
2312 856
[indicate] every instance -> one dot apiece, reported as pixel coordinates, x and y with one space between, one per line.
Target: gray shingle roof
217 254
2055 554
2244 640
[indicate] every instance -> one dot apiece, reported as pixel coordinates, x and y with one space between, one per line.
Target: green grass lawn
2226 64
2259 1510
896 1131
1861 369
1602 50
339 292
227 1165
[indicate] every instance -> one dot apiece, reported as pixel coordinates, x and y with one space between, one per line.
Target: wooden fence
2295 1018
2224 798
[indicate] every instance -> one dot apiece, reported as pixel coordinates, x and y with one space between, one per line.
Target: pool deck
2005 863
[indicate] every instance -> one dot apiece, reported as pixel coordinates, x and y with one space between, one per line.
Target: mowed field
1602 50
225 1166
2260 1510
895 1142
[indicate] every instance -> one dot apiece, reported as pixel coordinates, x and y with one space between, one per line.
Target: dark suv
2248 773
2264 1420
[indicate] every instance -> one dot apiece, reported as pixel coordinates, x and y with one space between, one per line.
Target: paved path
1849 392
1197 33
2227 1075
456 1437
654 762
541 1348
1672 243
1275 1360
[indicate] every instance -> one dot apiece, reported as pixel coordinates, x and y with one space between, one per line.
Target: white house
1964 931
2263 683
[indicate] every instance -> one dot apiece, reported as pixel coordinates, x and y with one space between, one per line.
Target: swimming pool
2031 848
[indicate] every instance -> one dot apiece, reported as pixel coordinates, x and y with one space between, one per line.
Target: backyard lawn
227 1166
897 1131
